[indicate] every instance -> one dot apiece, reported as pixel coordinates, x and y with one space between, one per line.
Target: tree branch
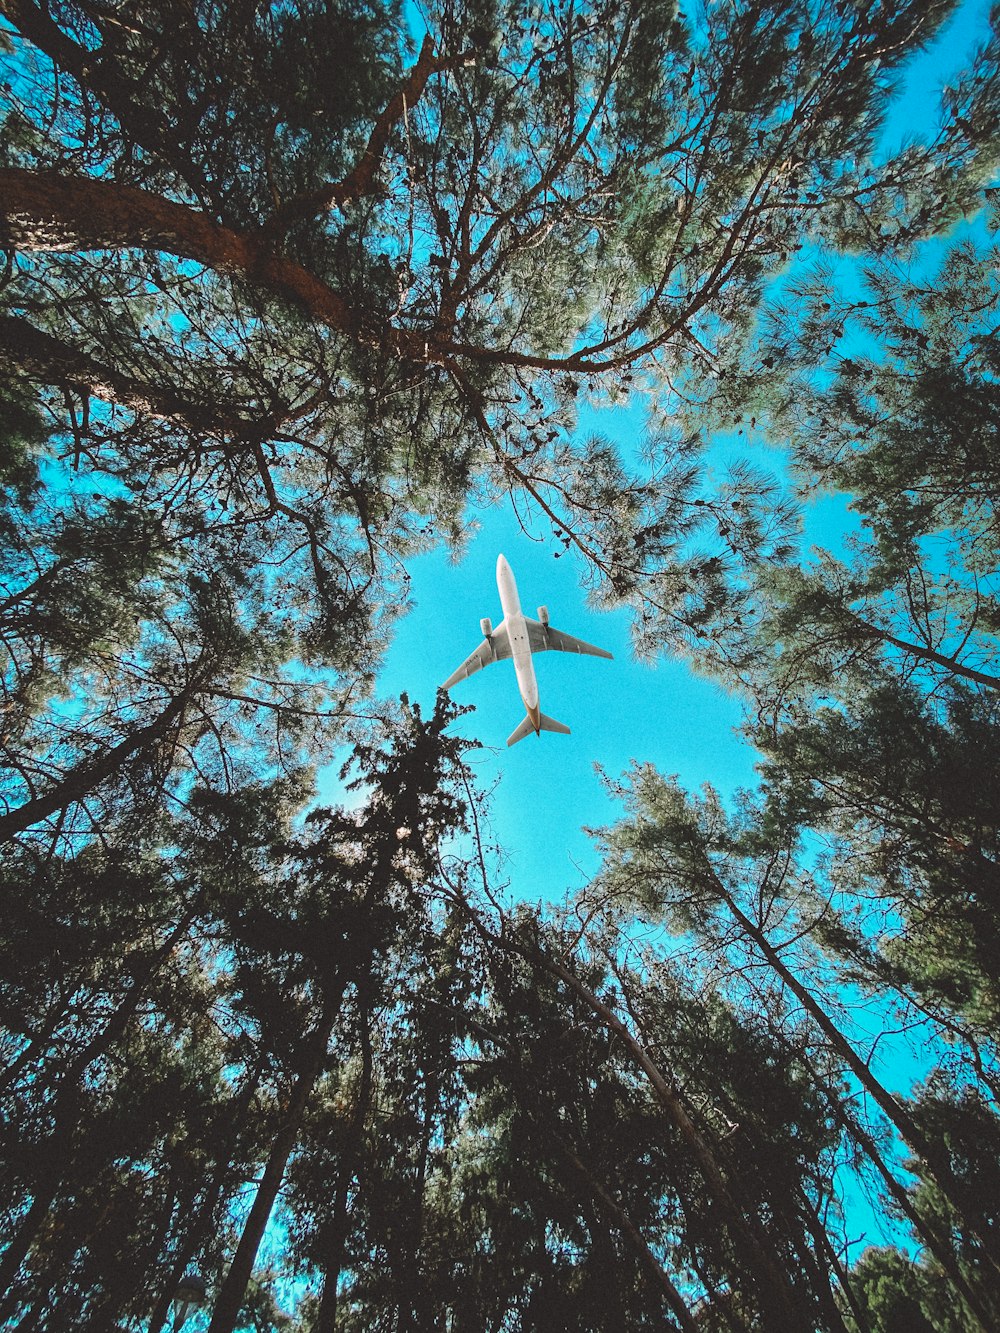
358 181
48 212
101 75
49 360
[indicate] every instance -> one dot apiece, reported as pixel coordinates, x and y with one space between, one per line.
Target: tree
904 425
113 1084
267 332
431 280
139 646
894 1290
899 784
218 1017
736 889
880 376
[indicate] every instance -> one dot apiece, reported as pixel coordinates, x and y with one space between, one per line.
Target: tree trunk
20 1244
828 1259
928 654
755 1247
984 1317
32 1051
603 1260
46 577
653 1268
413 1310
42 212
233 1290
326 1319
81 781
196 1237
65 1109
887 1103
50 360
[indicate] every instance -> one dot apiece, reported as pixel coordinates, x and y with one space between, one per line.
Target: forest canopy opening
291 293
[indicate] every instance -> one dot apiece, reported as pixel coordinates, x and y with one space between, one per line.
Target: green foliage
281 298
894 1290
570 199
22 430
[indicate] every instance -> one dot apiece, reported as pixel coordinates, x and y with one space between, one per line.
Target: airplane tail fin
527 726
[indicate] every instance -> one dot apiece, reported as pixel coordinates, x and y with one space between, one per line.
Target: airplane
518 636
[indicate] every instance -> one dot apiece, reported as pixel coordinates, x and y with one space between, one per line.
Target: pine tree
452 250
736 888
283 290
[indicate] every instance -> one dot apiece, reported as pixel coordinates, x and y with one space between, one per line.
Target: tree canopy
288 292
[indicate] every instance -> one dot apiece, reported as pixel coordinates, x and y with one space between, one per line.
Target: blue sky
547 788
914 109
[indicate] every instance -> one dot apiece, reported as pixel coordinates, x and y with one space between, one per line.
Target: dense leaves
289 290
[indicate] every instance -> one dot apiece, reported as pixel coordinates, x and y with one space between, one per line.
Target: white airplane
519 636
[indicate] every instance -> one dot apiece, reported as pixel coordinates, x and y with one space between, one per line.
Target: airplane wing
544 637
494 649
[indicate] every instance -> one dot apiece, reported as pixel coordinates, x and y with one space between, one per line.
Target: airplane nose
502 563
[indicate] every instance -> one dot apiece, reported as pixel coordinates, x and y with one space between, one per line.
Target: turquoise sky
547 788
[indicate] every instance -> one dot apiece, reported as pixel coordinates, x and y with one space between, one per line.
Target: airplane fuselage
520 645
518 637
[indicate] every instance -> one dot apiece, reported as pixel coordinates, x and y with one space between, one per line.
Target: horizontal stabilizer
544 724
519 733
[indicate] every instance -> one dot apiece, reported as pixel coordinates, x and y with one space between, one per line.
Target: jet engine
486 625
543 615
